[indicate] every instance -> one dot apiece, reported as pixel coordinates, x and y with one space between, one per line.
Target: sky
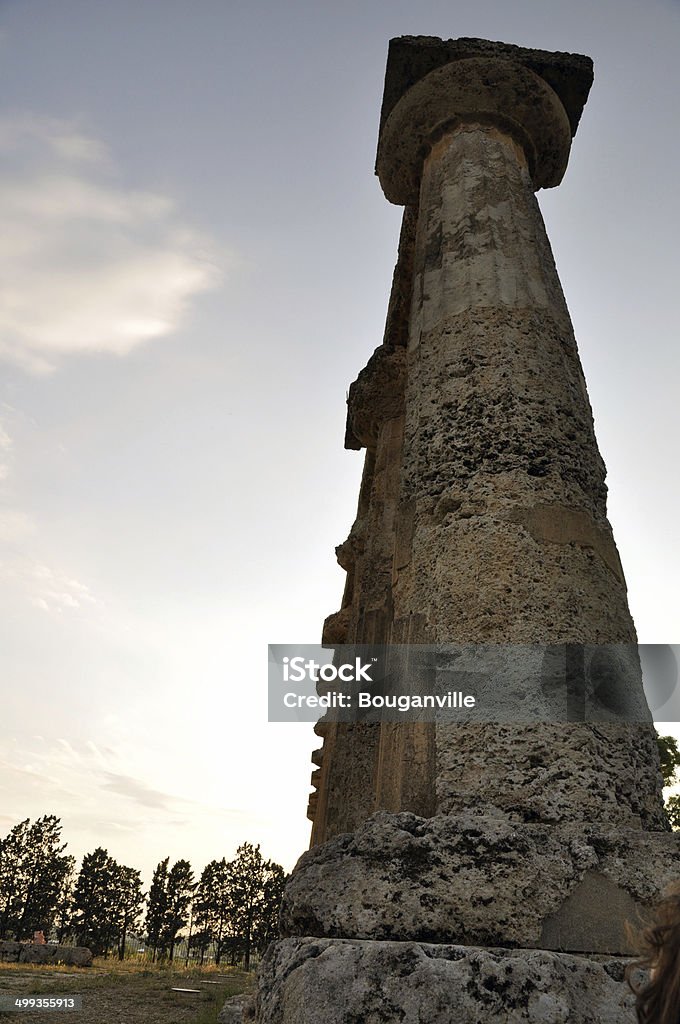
195 263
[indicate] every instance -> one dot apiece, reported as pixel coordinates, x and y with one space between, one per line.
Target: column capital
431 86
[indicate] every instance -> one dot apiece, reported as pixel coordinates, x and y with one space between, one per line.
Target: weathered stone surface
238 1010
9 951
336 627
411 58
399 306
482 90
377 395
482 514
497 409
501 533
482 520
309 981
47 953
480 880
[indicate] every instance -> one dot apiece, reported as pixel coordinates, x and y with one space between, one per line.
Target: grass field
124 993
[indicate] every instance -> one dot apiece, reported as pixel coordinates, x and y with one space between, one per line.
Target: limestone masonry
482 872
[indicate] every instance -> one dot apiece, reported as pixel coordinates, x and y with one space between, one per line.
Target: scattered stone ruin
44 953
478 872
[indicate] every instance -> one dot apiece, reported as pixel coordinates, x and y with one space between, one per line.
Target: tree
12 851
94 921
45 868
200 940
157 906
64 907
267 924
107 901
215 911
179 890
236 906
204 901
32 872
673 812
128 899
669 756
247 886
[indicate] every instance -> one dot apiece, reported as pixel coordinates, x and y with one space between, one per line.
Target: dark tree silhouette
93 921
267 924
157 905
180 888
129 902
234 907
214 909
247 887
32 872
64 907
669 756
107 901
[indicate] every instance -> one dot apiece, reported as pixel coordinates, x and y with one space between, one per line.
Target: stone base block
481 880
237 1010
335 981
44 953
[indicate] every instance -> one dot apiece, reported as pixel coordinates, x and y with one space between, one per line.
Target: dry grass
131 992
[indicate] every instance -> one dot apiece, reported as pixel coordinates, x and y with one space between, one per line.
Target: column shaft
503 535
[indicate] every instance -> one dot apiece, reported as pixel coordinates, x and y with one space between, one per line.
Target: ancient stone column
348 760
473 872
502 531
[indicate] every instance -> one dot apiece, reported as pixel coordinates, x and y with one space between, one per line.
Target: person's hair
658 1000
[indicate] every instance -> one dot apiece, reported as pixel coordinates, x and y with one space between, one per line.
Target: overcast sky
196 260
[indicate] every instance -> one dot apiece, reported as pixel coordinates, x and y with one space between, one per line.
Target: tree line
669 756
232 908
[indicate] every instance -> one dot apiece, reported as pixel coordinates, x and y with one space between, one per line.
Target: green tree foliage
267 924
107 901
204 919
129 900
236 907
32 872
250 877
670 758
214 911
247 880
169 905
179 890
157 905
199 942
45 868
673 812
93 902
64 907
12 851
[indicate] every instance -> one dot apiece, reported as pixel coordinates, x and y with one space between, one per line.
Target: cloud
64 139
41 586
76 765
86 265
5 453
55 591
100 804
26 778
136 791
15 526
